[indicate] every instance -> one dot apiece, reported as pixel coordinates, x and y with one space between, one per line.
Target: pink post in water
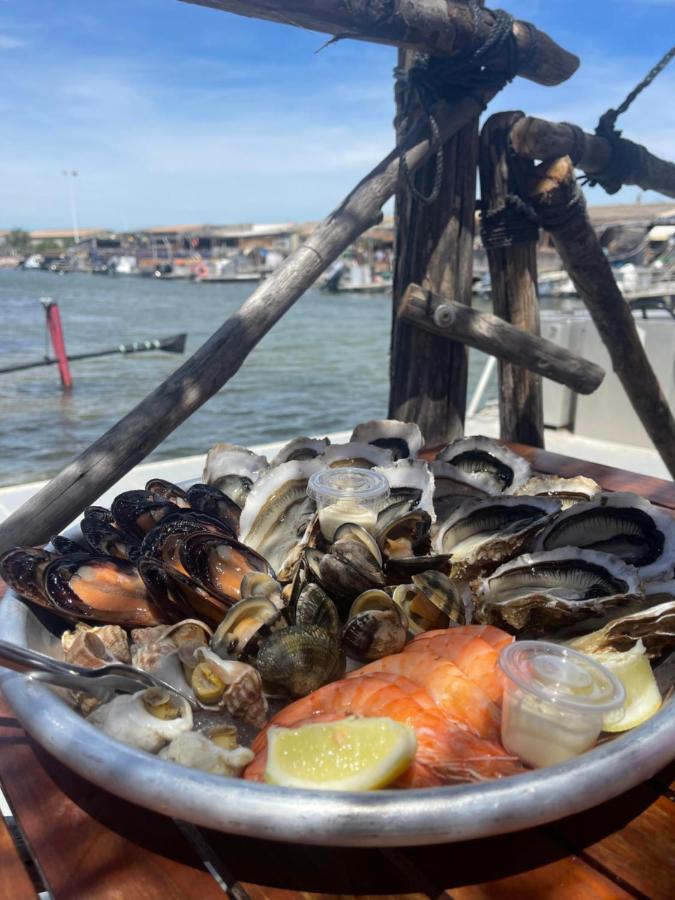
58 342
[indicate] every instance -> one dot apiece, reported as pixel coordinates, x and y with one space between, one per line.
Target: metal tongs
101 683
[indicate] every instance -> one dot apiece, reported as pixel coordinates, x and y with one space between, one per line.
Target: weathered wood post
434 248
510 240
560 204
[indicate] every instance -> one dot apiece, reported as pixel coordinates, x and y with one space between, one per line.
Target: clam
261 586
622 524
356 454
313 607
301 448
480 534
403 439
348 569
234 470
147 720
432 601
481 457
452 487
376 627
244 626
299 659
197 751
567 490
277 513
542 592
352 532
403 532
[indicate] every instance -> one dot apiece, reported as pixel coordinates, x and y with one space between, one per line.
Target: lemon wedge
346 755
643 698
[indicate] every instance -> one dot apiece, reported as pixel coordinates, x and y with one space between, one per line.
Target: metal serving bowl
377 819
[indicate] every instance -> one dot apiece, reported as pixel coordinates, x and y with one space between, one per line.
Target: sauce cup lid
347 483
559 675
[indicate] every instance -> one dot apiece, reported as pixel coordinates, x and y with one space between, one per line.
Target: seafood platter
357 643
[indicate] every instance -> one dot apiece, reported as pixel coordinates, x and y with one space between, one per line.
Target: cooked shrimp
489 633
456 695
473 655
446 752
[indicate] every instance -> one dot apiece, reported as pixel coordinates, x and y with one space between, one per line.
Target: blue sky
177 113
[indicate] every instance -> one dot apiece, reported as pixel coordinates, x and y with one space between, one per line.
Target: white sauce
336 514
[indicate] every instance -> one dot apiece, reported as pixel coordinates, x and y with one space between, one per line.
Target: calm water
323 368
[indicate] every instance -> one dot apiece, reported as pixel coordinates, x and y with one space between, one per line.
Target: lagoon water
324 367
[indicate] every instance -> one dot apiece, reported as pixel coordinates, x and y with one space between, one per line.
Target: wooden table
83 843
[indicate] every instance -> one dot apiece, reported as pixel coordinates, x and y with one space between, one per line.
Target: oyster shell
197 751
452 487
356 454
622 524
126 718
480 534
233 470
403 439
548 590
277 513
481 456
567 490
301 448
410 480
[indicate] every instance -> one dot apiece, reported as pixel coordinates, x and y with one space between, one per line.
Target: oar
173 344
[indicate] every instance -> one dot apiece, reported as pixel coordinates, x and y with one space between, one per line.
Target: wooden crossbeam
534 138
439 27
557 198
494 336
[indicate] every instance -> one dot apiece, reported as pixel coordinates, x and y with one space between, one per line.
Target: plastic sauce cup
346 494
555 700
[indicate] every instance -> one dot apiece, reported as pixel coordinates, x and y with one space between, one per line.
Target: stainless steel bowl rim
377 819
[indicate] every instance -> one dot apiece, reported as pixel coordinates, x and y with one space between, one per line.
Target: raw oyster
277 513
403 439
197 751
301 448
551 589
622 524
480 534
147 720
411 480
567 490
356 454
233 470
482 456
452 487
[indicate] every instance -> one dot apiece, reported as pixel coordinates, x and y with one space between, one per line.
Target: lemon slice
643 698
346 755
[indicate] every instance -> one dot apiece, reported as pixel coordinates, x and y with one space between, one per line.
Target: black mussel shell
219 563
162 541
67 547
99 514
102 589
110 540
212 502
166 490
23 569
137 512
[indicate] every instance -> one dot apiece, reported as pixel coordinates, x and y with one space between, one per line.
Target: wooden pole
434 248
538 139
556 197
439 27
511 246
492 335
215 362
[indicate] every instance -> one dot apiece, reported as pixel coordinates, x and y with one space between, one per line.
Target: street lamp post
70 178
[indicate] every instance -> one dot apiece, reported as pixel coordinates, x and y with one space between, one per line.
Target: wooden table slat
15 882
89 843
